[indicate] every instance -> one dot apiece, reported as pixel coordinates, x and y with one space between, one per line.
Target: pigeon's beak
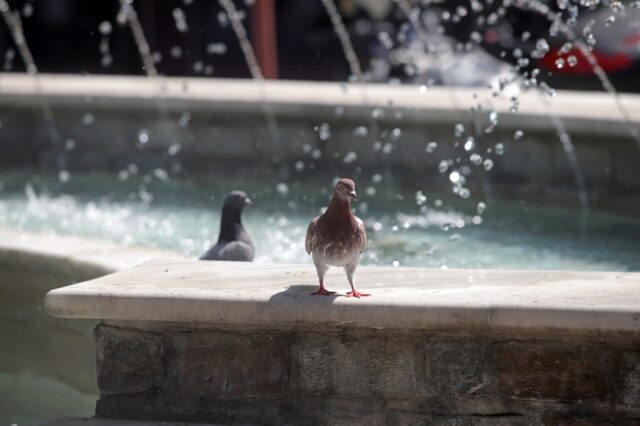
353 195
248 202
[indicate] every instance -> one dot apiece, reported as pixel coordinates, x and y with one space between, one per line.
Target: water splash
423 37
556 19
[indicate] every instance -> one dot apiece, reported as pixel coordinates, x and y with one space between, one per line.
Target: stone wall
343 376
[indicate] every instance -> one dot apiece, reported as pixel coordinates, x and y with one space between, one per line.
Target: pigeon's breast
336 253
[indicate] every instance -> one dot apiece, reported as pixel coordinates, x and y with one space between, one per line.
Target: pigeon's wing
311 238
361 234
234 250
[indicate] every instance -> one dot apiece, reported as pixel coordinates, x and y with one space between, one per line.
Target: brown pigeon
337 238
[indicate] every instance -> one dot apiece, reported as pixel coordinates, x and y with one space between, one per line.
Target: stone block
554 371
629 392
453 367
315 362
360 367
219 365
128 361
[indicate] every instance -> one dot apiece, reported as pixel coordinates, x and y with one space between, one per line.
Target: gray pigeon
233 242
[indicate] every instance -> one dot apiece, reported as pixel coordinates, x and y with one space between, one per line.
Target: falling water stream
128 15
254 68
12 20
345 40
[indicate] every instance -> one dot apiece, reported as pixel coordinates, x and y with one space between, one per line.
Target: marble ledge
277 295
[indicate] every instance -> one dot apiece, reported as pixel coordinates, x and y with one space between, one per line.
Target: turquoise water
404 229
29 398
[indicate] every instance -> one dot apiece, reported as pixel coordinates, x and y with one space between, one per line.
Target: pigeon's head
237 200
346 189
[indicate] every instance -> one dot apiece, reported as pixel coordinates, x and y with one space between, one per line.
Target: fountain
466 181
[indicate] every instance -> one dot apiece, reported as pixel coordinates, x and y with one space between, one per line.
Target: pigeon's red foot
323 292
356 293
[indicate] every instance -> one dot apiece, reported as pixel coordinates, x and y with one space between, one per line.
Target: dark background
64 38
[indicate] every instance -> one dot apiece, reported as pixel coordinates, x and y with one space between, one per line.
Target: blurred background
194 38
481 134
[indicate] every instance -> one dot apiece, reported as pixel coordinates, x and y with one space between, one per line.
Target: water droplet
175 52
324 131
282 188
518 134
105 28
395 263
69 144
106 60
377 113
476 159
350 157
469 144
476 220
572 61
198 66
559 63
145 196
299 166
180 20
385 39
316 153
370 191
216 48
431 146
395 134
174 148
161 174
123 175
499 149
443 166
360 132
420 198
27 10
488 164
377 178
184 119
64 176
542 47
566 48
423 89
464 193
143 136
458 130
223 19
454 177
87 119
387 148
